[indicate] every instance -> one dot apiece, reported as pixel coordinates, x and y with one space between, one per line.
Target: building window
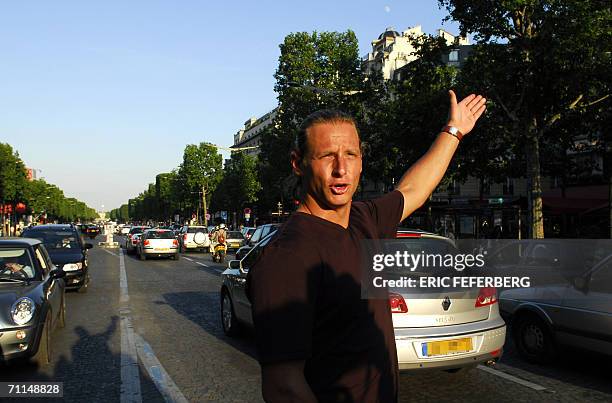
453 56
454 188
508 187
485 186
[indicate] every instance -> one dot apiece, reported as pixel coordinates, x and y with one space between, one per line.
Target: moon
387 9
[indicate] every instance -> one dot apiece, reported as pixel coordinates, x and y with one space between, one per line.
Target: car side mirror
57 273
88 245
234 264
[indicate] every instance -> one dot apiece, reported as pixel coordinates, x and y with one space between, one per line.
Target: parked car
32 300
235 306
248 232
194 237
157 243
131 241
575 310
67 250
260 233
434 328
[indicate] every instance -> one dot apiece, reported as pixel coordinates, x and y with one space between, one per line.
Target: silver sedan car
575 310
442 329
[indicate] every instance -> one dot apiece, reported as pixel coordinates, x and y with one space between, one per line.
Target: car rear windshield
54 239
193 230
160 235
235 235
16 263
135 230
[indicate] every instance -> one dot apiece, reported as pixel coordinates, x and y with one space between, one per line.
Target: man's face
332 164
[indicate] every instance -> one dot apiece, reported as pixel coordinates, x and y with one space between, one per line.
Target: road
157 337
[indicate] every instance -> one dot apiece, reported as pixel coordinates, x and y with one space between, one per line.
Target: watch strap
453 131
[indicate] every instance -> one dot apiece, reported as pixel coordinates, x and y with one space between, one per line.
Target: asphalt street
157 336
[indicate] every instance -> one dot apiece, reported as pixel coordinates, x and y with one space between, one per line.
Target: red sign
6 209
20 208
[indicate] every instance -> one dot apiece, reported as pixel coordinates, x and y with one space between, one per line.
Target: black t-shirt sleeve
387 212
283 291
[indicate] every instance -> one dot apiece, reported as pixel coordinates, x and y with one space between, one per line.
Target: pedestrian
317 339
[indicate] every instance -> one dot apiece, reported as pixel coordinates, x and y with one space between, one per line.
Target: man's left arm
421 179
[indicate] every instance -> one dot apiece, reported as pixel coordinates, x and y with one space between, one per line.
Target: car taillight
146 242
397 303
184 237
174 242
486 296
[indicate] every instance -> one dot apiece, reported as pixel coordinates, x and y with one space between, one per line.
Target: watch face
453 130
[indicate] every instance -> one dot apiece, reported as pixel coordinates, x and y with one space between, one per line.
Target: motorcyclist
219 232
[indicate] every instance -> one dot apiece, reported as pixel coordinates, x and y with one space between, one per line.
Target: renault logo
446 303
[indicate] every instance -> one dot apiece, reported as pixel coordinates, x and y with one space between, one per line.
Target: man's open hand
463 115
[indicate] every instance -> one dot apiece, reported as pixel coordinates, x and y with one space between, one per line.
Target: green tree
315 71
200 172
240 184
543 64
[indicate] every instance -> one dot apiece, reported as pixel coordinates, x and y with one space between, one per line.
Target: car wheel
43 355
231 326
62 314
533 339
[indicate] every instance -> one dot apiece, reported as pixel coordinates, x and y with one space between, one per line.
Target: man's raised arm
421 179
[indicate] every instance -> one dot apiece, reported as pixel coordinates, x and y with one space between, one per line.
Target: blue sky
102 96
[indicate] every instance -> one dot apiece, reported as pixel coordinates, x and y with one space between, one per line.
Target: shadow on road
583 369
91 373
204 309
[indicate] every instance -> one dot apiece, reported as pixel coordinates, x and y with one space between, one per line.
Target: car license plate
235 245
446 347
161 249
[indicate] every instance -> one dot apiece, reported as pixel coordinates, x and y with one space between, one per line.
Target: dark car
67 250
32 300
260 233
92 231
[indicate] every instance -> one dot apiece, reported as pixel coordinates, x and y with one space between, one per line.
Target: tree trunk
204 209
534 179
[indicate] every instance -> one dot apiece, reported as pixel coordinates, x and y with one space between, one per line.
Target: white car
441 329
158 243
194 237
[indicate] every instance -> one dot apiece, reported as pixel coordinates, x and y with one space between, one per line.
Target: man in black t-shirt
318 340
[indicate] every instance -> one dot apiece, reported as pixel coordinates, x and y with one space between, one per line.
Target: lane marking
130 377
512 378
158 374
187 258
202 264
108 251
133 347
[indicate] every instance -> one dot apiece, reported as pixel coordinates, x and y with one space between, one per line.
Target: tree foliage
545 66
315 71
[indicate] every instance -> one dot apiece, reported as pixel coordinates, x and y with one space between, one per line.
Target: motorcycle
219 252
